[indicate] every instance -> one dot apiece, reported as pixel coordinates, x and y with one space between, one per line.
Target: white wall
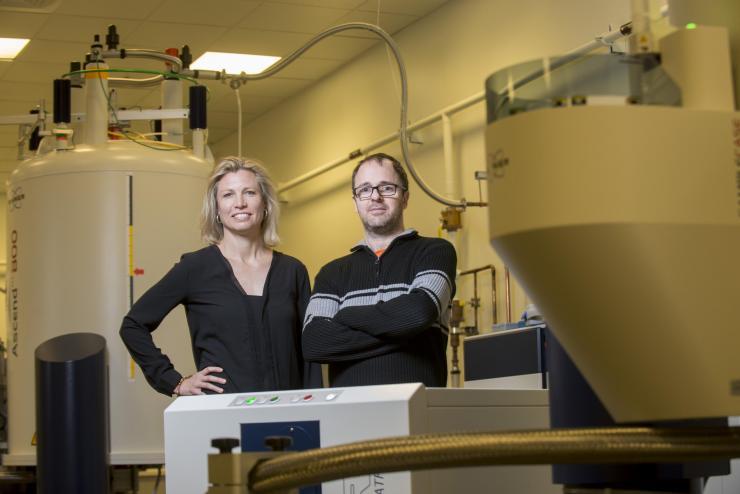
448 54
3 264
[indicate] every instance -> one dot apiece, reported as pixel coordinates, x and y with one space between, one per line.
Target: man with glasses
379 315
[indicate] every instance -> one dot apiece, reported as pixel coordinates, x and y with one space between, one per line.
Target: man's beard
388 226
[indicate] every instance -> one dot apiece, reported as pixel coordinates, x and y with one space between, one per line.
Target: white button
331 396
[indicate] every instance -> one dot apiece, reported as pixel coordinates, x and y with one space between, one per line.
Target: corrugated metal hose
432 451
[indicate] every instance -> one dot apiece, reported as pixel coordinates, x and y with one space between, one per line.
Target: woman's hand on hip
200 381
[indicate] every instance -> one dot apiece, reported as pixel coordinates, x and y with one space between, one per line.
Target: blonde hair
211 229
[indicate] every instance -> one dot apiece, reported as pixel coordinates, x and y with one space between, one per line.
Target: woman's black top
255 339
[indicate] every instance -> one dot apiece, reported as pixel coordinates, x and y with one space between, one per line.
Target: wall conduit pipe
424 122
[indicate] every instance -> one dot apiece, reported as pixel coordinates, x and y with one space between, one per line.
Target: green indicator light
251 400
274 398
691 25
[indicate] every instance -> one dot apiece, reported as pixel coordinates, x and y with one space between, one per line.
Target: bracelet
177 388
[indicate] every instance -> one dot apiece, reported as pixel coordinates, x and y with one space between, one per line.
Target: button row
261 400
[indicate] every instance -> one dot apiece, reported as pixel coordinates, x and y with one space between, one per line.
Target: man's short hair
380 158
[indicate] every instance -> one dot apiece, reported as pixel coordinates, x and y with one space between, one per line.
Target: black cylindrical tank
72 415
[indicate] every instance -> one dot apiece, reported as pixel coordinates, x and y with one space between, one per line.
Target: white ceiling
266 27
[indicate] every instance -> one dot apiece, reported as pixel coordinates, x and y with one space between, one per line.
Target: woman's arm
144 317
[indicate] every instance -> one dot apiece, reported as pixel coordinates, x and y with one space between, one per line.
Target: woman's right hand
195 384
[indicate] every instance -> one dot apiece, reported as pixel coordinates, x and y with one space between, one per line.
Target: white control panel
328 417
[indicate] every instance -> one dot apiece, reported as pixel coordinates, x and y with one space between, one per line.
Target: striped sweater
383 320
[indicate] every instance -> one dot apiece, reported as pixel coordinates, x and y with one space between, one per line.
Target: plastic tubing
141 53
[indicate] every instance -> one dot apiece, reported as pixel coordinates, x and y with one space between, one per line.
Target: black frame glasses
365 192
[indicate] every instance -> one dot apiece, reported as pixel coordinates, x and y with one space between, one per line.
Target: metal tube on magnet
62 101
198 107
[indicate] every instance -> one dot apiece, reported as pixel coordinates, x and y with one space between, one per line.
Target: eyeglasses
365 192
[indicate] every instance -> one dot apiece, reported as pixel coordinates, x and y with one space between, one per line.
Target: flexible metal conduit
424 452
403 132
604 39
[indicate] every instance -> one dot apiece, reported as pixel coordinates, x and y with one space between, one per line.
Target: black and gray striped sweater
383 320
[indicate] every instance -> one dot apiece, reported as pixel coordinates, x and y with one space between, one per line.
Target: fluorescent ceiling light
10 47
233 63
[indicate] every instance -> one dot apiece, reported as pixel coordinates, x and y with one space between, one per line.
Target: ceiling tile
293 18
35 71
161 35
391 23
259 42
339 4
250 105
274 87
21 24
412 7
222 120
4 66
24 91
217 134
82 29
309 68
227 103
221 13
132 9
216 89
340 47
39 50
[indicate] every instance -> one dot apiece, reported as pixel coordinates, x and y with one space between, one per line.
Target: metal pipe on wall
474 272
419 124
507 285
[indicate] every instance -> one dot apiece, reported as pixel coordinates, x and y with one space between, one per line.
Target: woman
244 301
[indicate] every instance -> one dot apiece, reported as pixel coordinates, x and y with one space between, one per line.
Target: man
379 315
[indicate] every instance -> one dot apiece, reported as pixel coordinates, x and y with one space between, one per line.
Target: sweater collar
406 234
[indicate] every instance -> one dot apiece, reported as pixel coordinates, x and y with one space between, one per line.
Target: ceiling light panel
233 63
11 47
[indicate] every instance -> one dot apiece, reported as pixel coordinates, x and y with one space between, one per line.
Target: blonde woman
244 301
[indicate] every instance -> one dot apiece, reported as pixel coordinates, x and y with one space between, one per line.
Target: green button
274 399
251 400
